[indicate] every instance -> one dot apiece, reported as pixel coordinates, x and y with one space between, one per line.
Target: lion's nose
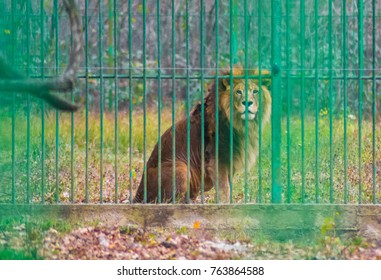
247 103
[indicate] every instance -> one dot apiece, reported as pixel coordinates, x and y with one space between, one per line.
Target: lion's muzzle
249 110
250 116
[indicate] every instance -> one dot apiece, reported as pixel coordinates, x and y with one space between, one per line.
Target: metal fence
146 64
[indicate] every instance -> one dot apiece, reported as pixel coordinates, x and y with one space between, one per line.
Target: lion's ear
266 77
224 84
266 82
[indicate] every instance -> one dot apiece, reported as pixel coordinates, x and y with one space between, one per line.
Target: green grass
22 237
258 179
11 254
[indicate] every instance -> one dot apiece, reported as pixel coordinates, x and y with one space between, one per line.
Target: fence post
276 32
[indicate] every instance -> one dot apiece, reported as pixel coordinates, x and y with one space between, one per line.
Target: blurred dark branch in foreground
13 81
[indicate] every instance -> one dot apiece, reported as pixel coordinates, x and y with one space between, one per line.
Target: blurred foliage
28 31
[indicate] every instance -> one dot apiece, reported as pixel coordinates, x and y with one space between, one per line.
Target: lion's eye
255 91
239 92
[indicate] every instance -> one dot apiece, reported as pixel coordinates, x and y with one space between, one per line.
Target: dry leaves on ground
135 243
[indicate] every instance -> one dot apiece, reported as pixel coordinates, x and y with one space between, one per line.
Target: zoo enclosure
146 60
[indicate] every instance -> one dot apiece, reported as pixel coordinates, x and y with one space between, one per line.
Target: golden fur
245 110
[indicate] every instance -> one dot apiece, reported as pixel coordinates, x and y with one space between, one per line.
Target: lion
245 110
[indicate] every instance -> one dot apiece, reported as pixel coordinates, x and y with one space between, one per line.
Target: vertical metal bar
13 149
360 6
352 43
331 199
173 103
55 12
187 97
231 61
316 46
101 95
130 93
13 195
345 93
374 108
289 101
87 100
246 65
72 162
72 194
116 100
159 98
28 194
110 31
216 4
144 101
302 91
276 108
260 195
42 104
202 66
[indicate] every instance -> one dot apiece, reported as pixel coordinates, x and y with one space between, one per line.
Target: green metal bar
187 96
331 199
354 32
231 64
316 46
374 108
276 108
246 64
345 93
144 102
173 102
130 94
302 93
159 97
360 6
56 21
28 104
216 4
101 95
289 102
72 193
42 54
13 149
202 66
13 28
260 195
72 162
87 101
13 196
116 100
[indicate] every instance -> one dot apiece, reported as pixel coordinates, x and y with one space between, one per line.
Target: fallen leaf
197 224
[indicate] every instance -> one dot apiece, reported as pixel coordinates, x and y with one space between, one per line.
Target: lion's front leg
222 185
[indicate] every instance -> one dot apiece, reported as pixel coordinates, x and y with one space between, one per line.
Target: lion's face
246 100
246 97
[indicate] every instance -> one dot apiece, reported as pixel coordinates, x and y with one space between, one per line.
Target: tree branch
11 80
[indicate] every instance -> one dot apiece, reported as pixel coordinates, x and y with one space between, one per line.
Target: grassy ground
71 168
27 239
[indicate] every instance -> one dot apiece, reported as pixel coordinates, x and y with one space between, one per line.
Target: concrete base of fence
282 222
